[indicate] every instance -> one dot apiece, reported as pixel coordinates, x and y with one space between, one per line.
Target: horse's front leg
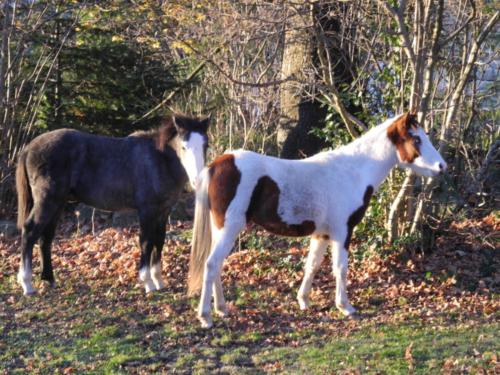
45 245
156 256
146 240
223 241
340 263
317 250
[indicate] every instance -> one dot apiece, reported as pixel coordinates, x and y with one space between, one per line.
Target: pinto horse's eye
417 140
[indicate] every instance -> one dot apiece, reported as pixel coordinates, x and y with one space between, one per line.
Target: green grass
373 348
382 349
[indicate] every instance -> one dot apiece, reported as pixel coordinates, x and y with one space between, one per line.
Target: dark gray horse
144 171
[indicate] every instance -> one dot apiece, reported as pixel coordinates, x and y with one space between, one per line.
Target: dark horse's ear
205 123
179 125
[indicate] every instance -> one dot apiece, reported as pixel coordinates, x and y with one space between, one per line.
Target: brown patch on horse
357 215
224 180
263 210
408 146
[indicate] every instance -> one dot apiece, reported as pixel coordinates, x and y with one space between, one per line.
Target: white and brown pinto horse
324 196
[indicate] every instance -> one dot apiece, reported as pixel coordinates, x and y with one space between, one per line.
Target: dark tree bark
300 114
299 141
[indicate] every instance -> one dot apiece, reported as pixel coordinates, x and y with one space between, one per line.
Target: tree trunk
298 114
315 45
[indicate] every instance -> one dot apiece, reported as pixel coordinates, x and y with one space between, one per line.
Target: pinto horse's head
193 145
414 149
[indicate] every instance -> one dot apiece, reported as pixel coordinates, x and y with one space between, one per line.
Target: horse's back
51 153
72 163
53 141
66 148
289 174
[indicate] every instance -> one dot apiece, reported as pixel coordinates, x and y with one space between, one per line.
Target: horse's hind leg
317 250
340 263
30 234
45 244
40 217
156 255
223 241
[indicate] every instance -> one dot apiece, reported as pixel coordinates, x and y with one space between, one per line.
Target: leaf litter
98 287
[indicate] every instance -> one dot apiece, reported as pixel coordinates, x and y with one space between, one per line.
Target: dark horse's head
191 145
188 137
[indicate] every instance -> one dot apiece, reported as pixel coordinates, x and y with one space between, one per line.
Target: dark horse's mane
167 130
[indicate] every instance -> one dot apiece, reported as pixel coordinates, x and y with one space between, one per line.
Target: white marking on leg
156 276
210 273
24 277
340 263
145 277
223 241
219 302
314 259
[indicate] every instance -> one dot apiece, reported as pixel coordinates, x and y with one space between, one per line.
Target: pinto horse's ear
398 131
401 126
409 120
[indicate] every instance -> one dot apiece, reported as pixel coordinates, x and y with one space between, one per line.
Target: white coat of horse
324 196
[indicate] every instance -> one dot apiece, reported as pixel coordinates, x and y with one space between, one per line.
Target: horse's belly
306 228
105 199
264 209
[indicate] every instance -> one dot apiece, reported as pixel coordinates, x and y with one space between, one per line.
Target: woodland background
286 78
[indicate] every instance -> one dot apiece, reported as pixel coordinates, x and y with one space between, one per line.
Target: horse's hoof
354 316
28 289
303 303
30 292
346 309
206 322
222 312
149 287
160 285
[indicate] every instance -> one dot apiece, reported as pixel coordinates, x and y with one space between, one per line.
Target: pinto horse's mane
360 143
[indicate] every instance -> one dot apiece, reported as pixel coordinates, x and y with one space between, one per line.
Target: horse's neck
374 156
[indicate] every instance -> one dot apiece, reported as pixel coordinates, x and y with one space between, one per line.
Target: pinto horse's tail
24 197
202 236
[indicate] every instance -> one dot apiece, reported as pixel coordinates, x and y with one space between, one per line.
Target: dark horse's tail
24 197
